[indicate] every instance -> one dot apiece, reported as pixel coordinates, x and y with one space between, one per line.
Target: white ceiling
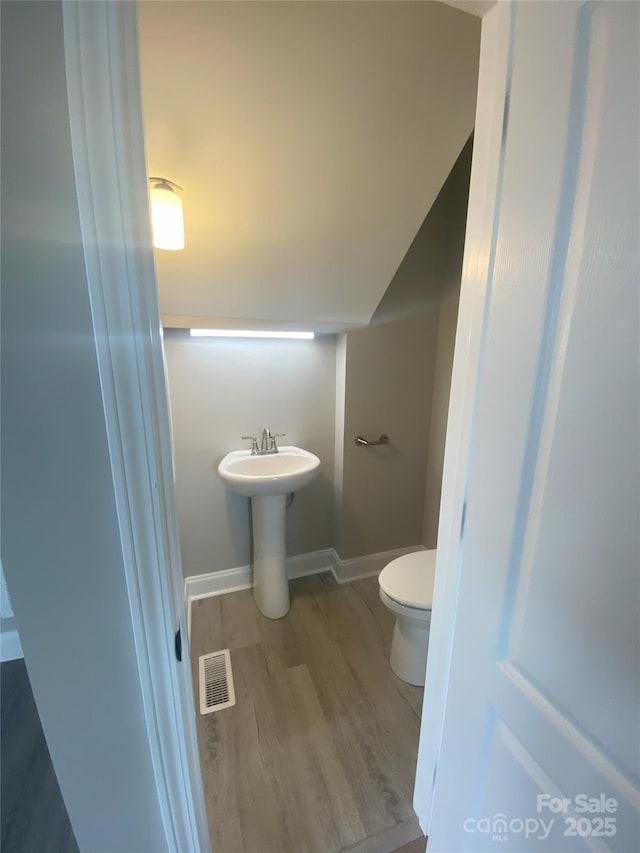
311 139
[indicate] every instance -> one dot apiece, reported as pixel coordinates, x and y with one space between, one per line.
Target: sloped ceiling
311 139
432 268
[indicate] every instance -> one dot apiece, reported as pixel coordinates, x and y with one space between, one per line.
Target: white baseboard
371 564
315 562
217 583
10 647
232 580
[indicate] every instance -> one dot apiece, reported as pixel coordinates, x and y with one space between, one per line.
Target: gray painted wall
60 541
388 389
447 320
222 389
432 267
392 377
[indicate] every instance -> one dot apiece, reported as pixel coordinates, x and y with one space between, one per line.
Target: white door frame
102 67
475 293
101 58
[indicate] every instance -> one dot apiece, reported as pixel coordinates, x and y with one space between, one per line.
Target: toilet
406 587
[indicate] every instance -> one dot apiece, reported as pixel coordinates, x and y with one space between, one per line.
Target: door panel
543 691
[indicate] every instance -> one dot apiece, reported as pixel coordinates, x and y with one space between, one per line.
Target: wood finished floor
417 846
319 752
34 817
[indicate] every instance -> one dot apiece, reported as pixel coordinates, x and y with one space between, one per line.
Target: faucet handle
254 443
273 439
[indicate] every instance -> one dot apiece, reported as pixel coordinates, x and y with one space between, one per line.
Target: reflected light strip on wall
246 333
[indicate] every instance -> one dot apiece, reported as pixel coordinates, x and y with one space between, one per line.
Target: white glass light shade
166 216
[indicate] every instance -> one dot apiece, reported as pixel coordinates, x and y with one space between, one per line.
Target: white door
540 745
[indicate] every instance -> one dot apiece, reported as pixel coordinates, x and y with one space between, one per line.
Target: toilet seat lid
409 579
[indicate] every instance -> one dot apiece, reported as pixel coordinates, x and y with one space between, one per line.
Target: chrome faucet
267 444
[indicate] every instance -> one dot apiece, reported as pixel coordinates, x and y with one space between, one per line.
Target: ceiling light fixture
167 221
246 333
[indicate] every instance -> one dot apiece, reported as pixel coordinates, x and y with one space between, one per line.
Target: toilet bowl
406 587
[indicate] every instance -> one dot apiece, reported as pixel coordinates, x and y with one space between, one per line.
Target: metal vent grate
216 682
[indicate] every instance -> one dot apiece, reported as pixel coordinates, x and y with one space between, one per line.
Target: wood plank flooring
319 752
34 817
417 846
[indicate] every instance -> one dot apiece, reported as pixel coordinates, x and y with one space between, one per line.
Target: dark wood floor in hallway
34 817
319 753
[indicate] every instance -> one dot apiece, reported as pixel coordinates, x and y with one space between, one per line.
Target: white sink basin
288 470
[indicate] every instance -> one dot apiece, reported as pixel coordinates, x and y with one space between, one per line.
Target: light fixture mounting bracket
165 183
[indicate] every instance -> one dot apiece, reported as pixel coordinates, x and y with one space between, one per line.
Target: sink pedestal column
270 582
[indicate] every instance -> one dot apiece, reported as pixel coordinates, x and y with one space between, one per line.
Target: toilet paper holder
384 439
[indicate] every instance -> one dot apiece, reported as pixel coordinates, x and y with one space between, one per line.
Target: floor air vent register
216 682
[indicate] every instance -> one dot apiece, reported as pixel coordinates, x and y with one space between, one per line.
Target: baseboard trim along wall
10 647
313 563
371 564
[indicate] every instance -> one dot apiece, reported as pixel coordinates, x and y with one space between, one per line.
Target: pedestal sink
267 479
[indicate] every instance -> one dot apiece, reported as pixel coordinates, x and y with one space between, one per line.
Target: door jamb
475 294
103 89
